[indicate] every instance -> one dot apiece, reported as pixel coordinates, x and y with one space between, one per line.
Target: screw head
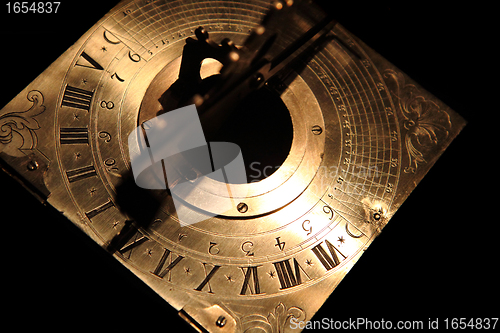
221 321
32 166
242 207
317 130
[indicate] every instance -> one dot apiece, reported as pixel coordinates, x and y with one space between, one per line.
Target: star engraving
341 240
76 116
115 224
229 278
78 155
149 252
309 262
187 270
272 274
84 81
92 191
104 49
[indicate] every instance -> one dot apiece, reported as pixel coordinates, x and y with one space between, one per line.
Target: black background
437 258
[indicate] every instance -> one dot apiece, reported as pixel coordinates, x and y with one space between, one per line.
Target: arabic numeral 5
307 227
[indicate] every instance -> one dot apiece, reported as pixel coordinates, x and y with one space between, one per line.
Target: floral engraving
281 316
424 121
19 127
276 321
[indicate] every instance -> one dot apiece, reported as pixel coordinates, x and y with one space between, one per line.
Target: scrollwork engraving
19 128
424 121
276 321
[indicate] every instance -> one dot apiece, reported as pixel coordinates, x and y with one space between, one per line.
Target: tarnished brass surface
364 134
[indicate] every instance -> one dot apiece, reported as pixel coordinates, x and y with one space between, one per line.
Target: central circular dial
280 136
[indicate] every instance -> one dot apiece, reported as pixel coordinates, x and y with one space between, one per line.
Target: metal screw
242 207
32 166
317 130
221 321
257 80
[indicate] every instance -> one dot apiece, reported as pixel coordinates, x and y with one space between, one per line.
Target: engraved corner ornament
362 135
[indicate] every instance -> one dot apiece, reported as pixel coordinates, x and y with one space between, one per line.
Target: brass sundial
334 139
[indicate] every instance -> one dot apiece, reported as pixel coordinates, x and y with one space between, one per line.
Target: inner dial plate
304 222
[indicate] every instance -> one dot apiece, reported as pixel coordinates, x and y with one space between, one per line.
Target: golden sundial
333 137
